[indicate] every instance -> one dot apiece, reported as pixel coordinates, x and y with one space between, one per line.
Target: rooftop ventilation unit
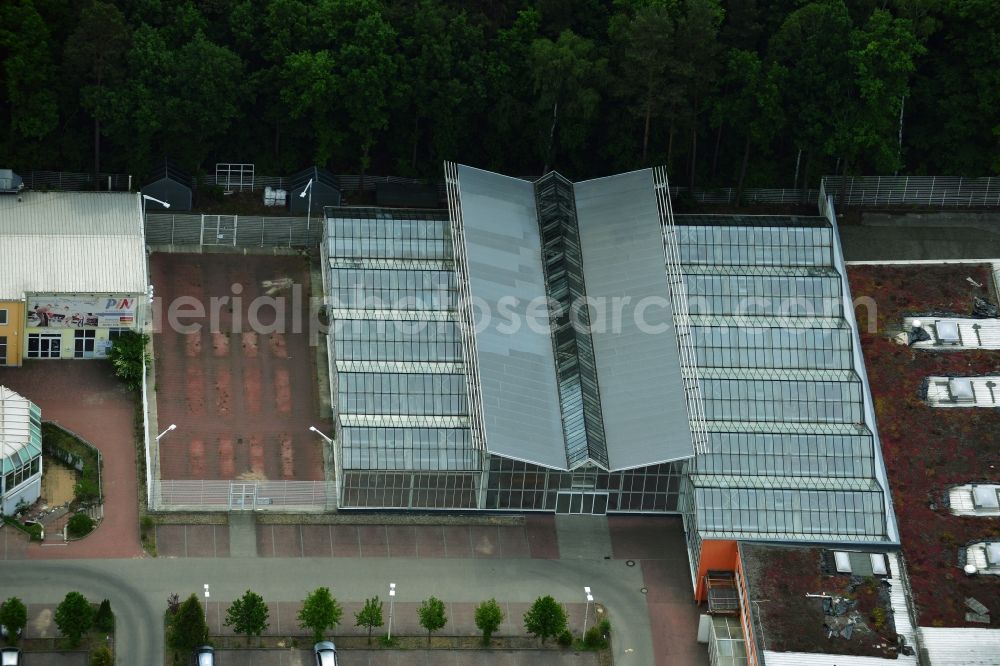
960 389
993 554
986 497
947 332
842 560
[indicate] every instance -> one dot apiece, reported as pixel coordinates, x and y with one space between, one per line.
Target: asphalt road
138 589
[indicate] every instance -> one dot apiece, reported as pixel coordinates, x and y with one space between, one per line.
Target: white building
20 451
72 273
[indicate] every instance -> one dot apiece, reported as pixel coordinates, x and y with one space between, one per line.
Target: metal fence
67 181
924 191
232 230
224 495
760 195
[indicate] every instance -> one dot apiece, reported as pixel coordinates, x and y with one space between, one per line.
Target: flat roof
642 394
71 242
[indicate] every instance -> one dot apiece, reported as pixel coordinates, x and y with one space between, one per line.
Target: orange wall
715 555
14 330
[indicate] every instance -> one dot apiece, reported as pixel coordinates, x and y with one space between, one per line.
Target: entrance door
83 343
44 345
582 503
242 496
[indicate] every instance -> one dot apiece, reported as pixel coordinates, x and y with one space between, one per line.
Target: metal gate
582 503
242 496
218 229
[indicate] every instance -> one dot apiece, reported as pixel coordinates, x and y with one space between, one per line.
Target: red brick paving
13 543
192 540
243 401
84 396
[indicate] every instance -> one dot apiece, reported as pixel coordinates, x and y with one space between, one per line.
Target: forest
724 92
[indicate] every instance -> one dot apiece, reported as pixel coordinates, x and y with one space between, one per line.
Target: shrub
594 638
102 657
34 531
86 491
878 618
80 524
605 627
565 638
128 356
104 621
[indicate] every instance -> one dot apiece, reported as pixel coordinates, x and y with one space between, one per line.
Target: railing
67 181
223 495
232 231
763 195
681 316
924 191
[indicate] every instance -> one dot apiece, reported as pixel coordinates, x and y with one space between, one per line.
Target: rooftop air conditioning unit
960 389
947 332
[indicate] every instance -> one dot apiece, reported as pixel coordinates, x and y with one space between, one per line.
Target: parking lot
409 658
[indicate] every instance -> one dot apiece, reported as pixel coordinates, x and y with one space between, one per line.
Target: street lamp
172 426
302 195
392 599
336 470
145 198
586 612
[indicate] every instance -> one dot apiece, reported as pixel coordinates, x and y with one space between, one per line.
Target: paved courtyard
242 395
85 397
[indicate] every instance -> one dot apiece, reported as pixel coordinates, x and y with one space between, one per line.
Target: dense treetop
723 91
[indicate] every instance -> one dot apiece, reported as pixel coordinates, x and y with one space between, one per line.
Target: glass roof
790 454
397 347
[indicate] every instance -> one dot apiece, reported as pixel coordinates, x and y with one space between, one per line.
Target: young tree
248 615
370 616
74 617
14 616
432 616
188 628
489 617
545 618
320 612
104 620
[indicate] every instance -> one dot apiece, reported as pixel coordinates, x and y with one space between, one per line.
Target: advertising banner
84 311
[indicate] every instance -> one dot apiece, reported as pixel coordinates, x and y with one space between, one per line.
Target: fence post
201 238
262 231
930 196
236 223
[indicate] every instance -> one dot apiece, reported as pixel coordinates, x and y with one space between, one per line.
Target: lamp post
172 426
392 600
302 195
145 198
586 612
336 470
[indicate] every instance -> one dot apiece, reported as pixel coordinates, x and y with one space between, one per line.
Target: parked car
10 657
326 653
204 656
